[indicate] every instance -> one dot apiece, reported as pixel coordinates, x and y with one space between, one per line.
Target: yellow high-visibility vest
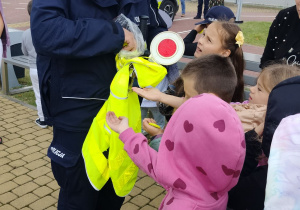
124 102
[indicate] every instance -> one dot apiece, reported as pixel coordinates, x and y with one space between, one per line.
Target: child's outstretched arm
153 94
135 144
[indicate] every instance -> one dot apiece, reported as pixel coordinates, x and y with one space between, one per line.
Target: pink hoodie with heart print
200 156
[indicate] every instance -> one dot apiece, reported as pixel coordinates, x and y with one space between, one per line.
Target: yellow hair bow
239 38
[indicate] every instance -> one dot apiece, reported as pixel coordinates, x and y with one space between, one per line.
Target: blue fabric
77 193
76 59
154 144
182 6
157 116
76 45
200 4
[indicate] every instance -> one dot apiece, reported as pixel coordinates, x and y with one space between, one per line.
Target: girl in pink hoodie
202 149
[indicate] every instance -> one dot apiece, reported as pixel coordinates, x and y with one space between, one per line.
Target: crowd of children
190 135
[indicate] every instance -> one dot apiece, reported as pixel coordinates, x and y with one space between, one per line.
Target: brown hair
212 74
276 73
29 6
229 31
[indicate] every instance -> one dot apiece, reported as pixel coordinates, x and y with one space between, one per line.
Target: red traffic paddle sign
166 48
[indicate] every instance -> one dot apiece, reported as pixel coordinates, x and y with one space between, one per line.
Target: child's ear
226 53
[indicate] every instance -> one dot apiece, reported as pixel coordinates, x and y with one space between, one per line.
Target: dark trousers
76 192
200 4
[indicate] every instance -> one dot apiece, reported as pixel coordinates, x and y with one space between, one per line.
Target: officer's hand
152 131
116 124
129 41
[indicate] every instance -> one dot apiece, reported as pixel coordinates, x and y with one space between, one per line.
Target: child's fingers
152 120
146 120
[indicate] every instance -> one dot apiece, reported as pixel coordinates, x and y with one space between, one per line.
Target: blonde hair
272 75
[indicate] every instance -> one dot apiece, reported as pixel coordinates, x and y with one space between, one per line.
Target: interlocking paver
139 200
55 194
25 188
41 132
156 201
44 138
36 164
26 131
14 156
13 142
31 143
43 180
17 163
6 177
7 207
135 191
24 200
53 185
147 207
33 156
39 172
29 137
43 191
44 145
15 148
7 186
43 203
19 171
20 180
4 161
23 122
51 208
145 182
13 129
5 168
153 191
30 150
7 197
129 206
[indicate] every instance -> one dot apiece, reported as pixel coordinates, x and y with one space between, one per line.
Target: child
28 49
252 112
222 38
203 144
249 193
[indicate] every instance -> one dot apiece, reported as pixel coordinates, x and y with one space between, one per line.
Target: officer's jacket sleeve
56 32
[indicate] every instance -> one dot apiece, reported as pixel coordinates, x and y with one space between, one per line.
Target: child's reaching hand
152 94
152 131
116 124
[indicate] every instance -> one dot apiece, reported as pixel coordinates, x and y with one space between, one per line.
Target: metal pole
238 13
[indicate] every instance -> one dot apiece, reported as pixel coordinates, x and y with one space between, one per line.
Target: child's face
189 90
258 95
210 42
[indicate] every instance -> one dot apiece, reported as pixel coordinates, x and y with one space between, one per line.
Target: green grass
255 33
27 97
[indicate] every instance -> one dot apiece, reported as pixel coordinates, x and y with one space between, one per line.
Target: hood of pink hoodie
202 150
